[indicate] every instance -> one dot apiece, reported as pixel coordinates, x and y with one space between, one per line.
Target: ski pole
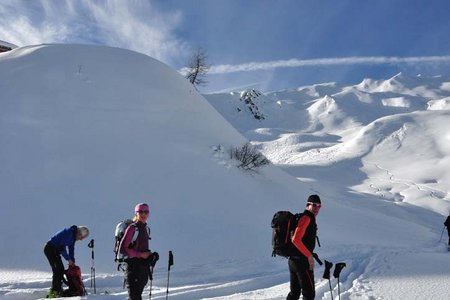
91 245
326 275
336 274
168 273
154 259
442 233
151 283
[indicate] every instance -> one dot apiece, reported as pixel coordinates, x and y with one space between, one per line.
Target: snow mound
441 104
87 132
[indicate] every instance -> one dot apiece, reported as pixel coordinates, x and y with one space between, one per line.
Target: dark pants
57 266
137 275
302 280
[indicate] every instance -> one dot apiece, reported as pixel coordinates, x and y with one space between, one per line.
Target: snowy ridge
380 125
87 132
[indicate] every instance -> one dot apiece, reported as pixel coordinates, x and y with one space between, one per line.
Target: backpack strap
148 232
135 236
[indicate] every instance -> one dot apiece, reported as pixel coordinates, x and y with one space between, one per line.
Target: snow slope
379 146
392 131
87 132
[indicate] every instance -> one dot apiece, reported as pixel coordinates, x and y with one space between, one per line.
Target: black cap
314 199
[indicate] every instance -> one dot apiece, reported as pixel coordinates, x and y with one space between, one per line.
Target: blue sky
268 45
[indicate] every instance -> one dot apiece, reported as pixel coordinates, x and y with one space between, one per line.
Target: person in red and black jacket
301 264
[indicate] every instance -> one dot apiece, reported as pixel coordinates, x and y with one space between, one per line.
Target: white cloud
295 63
137 27
21 31
134 25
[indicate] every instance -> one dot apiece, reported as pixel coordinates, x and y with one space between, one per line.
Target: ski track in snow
366 275
392 179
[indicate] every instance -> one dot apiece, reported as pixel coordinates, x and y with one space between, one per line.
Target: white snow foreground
87 132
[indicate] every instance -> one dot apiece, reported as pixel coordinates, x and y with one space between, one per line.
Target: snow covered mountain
390 134
87 132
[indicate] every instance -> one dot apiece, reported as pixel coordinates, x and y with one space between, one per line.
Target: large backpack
119 234
74 282
283 226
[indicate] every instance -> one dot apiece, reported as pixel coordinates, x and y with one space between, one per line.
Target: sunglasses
143 212
315 204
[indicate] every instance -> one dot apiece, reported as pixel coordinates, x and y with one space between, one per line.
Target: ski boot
54 294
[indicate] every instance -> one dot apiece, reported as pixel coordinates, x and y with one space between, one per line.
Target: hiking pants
302 280
137 274
57 266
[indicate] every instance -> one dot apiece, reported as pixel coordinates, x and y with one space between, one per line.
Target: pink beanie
141 206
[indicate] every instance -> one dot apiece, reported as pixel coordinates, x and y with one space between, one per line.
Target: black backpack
283 226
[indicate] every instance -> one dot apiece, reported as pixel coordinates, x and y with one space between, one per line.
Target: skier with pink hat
135 248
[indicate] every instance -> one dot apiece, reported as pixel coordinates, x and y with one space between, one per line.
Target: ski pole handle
170 260
328 266
338 268
91 245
